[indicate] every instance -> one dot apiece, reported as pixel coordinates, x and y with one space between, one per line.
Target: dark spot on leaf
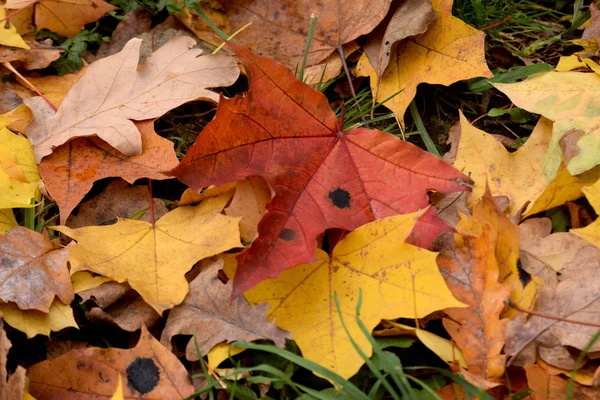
387 42
524 276
287 234
142 375
340 198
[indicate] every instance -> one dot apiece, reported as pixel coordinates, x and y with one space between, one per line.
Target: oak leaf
33 322
71 170
33 270
279 28
113 92
153 258
449 51
65 17
471 267
19 174
322 177
398 280
571 105
152 372
208 313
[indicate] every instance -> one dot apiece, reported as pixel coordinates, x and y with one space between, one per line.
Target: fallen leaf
10 387
471 269
32 322
591 233
548 387
208 313
279 28
83 281
104 294
133 24
38 56
449 51
7 220
398 280
322 178
152 372
319 74
19 174
220 353
449 206
592 31
249 202
583 376
571 105
118 395
113 91
33 270
129 313
410 18
117 200
65 17
71 170
153 259
8 33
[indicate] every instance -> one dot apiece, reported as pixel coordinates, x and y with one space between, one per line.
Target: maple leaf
208 313
113 91
65 17
19 174
32 322
9 35
398 280
151 372
471 267
571 105
279 27
322 177
71 170
33 270
449 51
10 387
153 259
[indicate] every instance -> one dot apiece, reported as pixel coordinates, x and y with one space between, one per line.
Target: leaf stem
347 72
29 85
151 202
9 16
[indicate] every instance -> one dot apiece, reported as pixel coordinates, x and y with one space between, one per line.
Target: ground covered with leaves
299 200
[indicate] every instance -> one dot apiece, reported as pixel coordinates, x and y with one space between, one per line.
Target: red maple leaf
322 177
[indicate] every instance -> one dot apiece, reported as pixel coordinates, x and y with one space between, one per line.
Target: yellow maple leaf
591 233
33 322
83 280
9 35
517 175
19 174
7 220
449 51
571 104
154 259
397 280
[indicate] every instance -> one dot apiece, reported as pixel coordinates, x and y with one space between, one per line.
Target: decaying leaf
397 280
129 313
33 270
38 56
65 17
470 266
153 259
591 233
71 170
249 202
449 51
152 372
322 177
208 313
279 28
10 387
117 200
113 92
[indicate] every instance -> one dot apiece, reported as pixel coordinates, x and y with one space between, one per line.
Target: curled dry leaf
65 17
114 91
322 177
153 259
279 28
151 371
208 313
33 270
398 280
71 170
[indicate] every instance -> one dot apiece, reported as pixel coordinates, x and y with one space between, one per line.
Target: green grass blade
479 85
579 362
312 26
422 130
309 365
